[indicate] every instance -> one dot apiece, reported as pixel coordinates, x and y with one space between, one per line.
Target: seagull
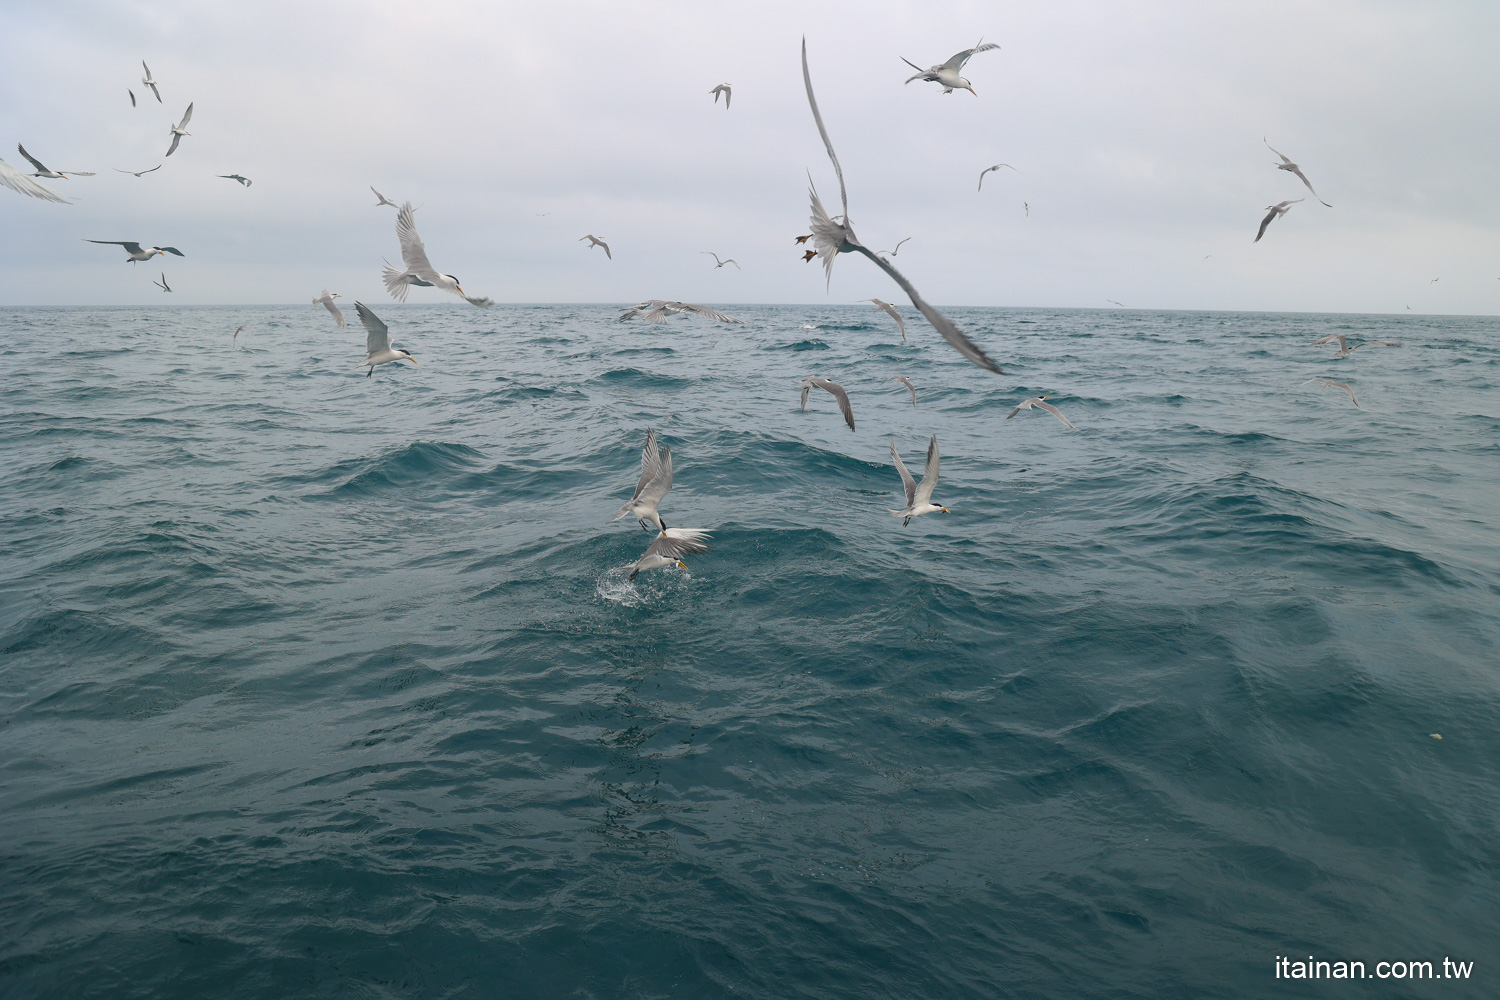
891 252
383 199
906 382
1114 302
668 549
162 284
726 90
150 82
1345 350
180 129
133 251
56 175
378 348
1281 208
946 74
1434 281
418 270
988 169
137 172
236 334
1336 385
839 394
236 177
657 310
326 301
595 241
720 263
132 96
22 184
890 311
918 498
832 238
654 484
1041 402
1287 164
1027 205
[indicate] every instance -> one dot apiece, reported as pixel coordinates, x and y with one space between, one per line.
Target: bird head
335 295
407 356
681 564
965 84
943 509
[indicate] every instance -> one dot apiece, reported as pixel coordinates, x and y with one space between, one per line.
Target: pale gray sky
1137 127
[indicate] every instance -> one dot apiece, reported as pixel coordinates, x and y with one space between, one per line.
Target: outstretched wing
827 143
1055 412
21 184
130 247
187 116
942 324
957 60
674 543
890 310
379 337
175 140
929 475
34 161
705 311
907 482
651 465
413 253
660 484
1263 224
840 395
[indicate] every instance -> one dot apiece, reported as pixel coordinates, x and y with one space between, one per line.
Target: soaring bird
378 348
326 301
1040 402
138 172
162 284
911 388
890 311
1287 164
1336 385
132 96
720 263
833 238
657 311
595 241
133 251
180 129
654 484
150 82
668 548
419 271
946 74
22 184
237 331
383 200
1280 208
1345 350
918 498
56 175
987 170
725 89
236 177
897 248
807 385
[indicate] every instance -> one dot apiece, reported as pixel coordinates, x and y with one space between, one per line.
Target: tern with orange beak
946 74
918 498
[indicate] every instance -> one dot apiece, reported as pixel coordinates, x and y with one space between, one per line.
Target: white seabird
236 177
1336 385
22 184
378 350
1040 402
419 271
946 74
138 173
657 311
1280 208
133 251
720 263
918 498
148 81
987 170
906 382
654 484
180 129
668 548
807 385
890 310
1287 164
1345 350
891 252
726 90
326 301
595 241
56 175
162 284
383 200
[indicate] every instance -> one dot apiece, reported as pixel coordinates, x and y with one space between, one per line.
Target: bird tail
396 282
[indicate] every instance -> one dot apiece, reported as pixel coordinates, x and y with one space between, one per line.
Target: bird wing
1328 340
1284 157
132 96
651 466
170 250
1377 343
942 324
1263 224
130 247
907 482
187 116
1055 412
828 236
840 395
806 387
705 311
910 388
413 253
981 178
34 161
607 254
827 143
660 484
77 173
930 474
338 314
21 184
674 543
1303 178
175 140
155 91
379 337
890 310
957 60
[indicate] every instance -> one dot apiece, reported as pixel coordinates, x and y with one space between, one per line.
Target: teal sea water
314 685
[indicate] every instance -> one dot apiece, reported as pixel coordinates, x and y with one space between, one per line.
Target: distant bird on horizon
20 183
1118 303
946 74
162 284
1336 385
133 251
657 311
419 271
383 199
918 498
1345 350
235 177
378 350
1040 402
727 92
1281 208
1287 164
56 175
988 169
837 391
149 82
890 252
137 172
720 263
326 301
890 311
595 241
180 129
906 382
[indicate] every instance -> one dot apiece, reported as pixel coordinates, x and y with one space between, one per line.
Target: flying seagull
236 177
1281 208
150 82
906 382
654 484
1041 403
378 348
946 74
987 170
1345 350
132 96
56 175
236 334
326 301
891 252
1117 303
133 251
383 199
918 498
657 310
22 184
837 390
180 129
1027 205
727 92
138 172
162 284
720 263
1336 385
668 549
890 311
418 270
595 241
832 238
1287 164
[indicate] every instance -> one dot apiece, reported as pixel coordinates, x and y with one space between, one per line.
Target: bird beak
945 510
411 359
681 564
972 91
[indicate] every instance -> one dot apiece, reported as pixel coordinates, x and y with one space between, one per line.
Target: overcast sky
517 128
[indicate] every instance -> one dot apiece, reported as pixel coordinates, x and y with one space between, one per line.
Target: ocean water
314 684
